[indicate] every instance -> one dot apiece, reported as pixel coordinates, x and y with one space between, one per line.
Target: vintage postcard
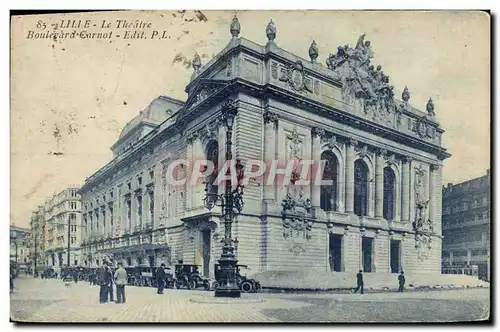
250 166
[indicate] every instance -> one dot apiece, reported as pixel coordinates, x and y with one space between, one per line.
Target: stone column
317 134
469 256
349 176
98 223
405 205
379 183
126 221
189 157
270 126
451 257
198 188
432 193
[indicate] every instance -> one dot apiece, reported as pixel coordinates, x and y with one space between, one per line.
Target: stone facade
466 224
382 213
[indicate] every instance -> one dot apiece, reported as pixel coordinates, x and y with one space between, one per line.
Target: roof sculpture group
360 80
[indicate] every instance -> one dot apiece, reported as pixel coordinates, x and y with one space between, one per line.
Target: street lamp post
231 203
69 244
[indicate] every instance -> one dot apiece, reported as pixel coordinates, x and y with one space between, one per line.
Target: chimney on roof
449 185
488 171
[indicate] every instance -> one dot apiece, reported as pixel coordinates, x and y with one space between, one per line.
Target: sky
70 98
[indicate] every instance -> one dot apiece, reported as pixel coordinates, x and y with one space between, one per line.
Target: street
57 301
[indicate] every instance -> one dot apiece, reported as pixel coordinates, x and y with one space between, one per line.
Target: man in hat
120 281
160 278
109 272
103 280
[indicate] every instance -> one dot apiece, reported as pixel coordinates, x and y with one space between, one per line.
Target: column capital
407 159
435 167
351 142
382 152
317 132
270 117
191 137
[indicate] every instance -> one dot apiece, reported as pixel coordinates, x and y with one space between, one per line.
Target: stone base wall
264 244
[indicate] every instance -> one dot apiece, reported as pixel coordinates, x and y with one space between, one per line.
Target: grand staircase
321 280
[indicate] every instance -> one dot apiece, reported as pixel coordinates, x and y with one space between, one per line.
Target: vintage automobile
188 276
142 275
169 279
246 285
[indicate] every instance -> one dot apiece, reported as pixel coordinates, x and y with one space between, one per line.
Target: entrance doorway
335 252
367 253
395 256
151 261
206 252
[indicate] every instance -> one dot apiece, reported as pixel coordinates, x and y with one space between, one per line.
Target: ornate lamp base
228 286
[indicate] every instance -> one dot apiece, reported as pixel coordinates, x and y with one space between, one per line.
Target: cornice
343 117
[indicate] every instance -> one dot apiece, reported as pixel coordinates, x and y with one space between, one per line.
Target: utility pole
34 265
15 242
69 236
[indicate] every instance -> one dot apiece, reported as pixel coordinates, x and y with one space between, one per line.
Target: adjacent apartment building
62 222
466 225
37 239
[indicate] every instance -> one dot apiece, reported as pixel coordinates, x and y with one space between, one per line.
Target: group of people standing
106 279
360 284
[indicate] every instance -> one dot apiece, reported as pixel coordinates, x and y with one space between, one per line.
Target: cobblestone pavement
57 301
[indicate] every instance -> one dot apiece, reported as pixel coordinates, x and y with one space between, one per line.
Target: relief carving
294 142
274 70
229 68
295 77
297 249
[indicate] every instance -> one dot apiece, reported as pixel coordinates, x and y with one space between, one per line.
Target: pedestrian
103 282
75 276
401 279
359 282
11 282
120 281
110 284
160 278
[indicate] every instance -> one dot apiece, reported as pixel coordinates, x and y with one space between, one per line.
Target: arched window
360 188
212 152
389 193
328 200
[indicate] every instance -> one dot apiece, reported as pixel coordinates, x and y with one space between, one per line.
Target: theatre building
381 211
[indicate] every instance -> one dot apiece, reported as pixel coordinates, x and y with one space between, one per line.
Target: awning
132 248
